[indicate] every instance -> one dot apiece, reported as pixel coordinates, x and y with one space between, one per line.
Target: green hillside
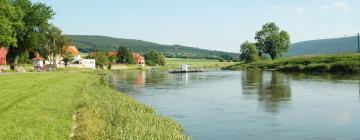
324 46
103 43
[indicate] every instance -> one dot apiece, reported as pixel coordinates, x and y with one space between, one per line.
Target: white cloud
298 10
341 5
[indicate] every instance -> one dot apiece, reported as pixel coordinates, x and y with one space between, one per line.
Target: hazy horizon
203 24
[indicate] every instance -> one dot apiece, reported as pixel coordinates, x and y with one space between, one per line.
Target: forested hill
102 43
324 46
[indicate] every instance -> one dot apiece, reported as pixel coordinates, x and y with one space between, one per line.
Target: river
251 105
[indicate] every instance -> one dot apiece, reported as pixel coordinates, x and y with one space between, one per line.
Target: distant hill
102 43
324 46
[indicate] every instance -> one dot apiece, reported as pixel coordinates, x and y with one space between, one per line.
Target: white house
89 63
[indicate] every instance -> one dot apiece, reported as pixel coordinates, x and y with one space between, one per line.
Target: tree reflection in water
272 88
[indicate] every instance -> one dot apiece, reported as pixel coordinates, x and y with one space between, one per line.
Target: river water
227 105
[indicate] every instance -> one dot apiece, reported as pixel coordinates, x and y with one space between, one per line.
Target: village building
89 63
38 62
3 53
138 59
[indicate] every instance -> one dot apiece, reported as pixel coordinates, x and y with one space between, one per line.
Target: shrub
345 67
291 67
317 67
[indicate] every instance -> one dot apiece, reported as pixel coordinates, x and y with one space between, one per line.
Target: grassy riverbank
175 63
336 63
42 105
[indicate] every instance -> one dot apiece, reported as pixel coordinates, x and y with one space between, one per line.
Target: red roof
37 57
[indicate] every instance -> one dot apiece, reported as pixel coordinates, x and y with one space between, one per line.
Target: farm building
3 53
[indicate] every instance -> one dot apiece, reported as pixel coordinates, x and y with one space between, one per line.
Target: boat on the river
185 69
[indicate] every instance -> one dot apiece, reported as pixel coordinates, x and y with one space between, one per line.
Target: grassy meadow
334 63
38 105
42 105
200 63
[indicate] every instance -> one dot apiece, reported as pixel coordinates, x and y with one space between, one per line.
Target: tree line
124 56
25 29
270 42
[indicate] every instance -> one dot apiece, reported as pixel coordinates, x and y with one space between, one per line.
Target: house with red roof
138 59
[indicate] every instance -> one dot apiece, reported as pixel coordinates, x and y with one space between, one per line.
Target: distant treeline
101 43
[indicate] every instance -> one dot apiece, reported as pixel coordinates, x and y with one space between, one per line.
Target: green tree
248 52
33 36
10 21
56 43
153 58
272 41
125 56
68 57
102 60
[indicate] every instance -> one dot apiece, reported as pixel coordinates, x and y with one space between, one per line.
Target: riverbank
334 63
42 106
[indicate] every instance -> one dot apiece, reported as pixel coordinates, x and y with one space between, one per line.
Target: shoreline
333 63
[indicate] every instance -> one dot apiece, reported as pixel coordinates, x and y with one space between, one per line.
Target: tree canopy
154 58
272 41
249 53
25 27
125 56
11 20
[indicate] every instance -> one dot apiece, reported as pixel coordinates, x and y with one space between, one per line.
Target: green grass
201 63
38 106
335 63
107 114
41 106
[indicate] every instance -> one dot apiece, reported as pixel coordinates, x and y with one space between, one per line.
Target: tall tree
10 20
125 56
272 41
56 43
34 34
249 53
153 58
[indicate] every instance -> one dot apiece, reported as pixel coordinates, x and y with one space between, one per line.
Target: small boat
185 69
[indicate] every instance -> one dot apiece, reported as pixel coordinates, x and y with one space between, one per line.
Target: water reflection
272 88
239 105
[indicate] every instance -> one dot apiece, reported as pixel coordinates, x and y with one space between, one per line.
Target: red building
138 59
3 53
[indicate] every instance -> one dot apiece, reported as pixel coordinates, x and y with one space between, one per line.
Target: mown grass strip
38 105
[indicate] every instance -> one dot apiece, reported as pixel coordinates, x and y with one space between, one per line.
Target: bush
345 67
291 67
317 68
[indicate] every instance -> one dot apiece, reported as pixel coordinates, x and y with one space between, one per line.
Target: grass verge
106 114
334 63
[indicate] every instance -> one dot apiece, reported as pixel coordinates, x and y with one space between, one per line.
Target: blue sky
209 24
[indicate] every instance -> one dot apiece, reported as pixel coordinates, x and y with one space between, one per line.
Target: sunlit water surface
251 105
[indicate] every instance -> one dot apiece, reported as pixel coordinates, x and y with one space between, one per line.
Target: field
42 105
38 106
200 63
334 63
